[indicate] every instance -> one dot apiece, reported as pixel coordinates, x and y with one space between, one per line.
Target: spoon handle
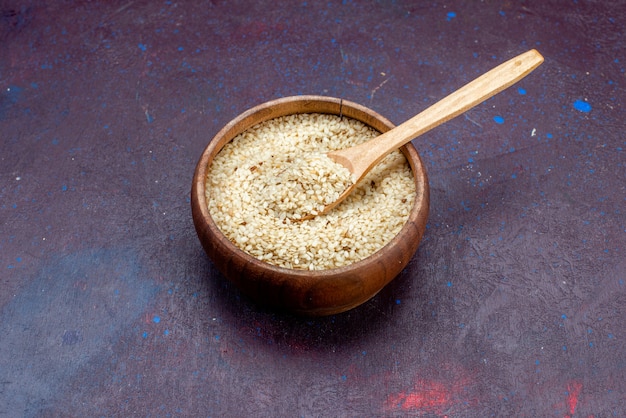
361 158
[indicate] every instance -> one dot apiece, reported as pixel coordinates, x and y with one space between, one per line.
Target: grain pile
302 185
248 201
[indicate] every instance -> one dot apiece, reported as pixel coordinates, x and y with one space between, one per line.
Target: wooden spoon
362 158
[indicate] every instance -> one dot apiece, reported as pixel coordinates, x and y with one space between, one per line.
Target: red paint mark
434 396
426 395
573 392
573 389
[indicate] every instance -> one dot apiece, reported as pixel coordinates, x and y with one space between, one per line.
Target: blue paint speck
582 106
180 48
449 284
64 188
144 335
344 377
398 301
563 316
156 319
521 91
143 47
450 16
498 119
166 332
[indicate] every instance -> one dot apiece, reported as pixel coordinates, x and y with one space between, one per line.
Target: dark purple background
513 305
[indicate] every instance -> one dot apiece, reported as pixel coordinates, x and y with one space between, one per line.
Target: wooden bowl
318 292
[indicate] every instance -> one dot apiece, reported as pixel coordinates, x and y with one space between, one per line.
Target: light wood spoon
362 158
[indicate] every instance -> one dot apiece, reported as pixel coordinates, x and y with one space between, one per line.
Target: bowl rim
300 105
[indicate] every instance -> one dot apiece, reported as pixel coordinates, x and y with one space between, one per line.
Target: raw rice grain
248 203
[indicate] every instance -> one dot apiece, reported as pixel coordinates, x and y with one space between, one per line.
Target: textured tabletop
513 304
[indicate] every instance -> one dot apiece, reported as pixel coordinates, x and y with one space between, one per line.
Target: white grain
248 200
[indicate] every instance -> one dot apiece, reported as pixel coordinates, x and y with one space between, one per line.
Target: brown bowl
318 292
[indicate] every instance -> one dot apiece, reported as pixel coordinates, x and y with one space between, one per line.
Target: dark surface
512 306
